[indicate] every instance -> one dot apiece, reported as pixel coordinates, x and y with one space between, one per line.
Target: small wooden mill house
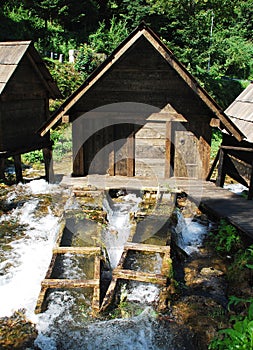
142 113
235 159
25 89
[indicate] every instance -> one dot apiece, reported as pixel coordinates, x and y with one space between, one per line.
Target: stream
31 218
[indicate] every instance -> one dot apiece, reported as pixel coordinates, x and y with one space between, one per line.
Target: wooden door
124 161
186 162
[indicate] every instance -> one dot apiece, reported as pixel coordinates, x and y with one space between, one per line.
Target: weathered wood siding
150 150
24 108
142 75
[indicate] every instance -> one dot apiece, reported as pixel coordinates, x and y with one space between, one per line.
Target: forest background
212 38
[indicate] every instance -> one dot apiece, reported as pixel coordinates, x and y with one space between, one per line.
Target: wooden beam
51 266
2 169
109 295
40 305
140 276
168 143
147 248
215 123
111 169
18 168
208 178
48 161
66 283
77 250
235 148
130 155
78 163
60 233
221 169
250 194
96 292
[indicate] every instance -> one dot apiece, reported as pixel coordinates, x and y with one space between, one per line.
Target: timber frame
142 70
235 158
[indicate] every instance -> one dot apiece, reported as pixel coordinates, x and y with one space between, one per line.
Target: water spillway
133 321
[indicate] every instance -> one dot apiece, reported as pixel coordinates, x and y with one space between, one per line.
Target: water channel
31 218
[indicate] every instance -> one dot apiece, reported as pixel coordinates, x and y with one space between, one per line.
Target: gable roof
241 112
143 31
12 52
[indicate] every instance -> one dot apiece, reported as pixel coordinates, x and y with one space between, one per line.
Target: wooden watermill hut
25 89
142 113
235 159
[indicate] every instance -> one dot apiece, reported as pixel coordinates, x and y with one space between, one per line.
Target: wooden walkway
223 203
218 201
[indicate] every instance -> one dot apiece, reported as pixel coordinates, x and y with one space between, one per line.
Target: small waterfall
189 233
119 225
25 259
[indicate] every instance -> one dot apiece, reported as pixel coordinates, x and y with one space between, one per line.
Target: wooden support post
109 295
111 169
78 163
131 155
167 172
96 291
18 168
250 194
208 178
221 169
48 160
41 301
2 168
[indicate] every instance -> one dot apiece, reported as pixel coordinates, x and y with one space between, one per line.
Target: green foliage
100 44
225 239
65 75
239 335
241 265
216 141
62 139
33 157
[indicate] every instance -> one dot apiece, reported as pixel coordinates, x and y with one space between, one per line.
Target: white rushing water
236 188
30 255
189 233
119 225
66 324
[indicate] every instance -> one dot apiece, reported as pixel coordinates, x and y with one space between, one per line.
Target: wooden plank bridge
221 203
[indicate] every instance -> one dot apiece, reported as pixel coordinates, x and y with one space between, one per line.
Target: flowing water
29 225
189 233
119 225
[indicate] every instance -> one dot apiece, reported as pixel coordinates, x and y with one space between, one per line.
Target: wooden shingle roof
241 112
11 53
143 31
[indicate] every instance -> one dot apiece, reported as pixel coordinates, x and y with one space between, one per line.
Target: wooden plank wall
24 107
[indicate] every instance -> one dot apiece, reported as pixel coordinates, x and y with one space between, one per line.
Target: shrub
225 239
239 335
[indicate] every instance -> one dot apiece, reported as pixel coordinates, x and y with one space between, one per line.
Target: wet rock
202 315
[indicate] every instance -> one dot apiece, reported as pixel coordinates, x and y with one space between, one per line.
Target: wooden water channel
215 200
120 273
